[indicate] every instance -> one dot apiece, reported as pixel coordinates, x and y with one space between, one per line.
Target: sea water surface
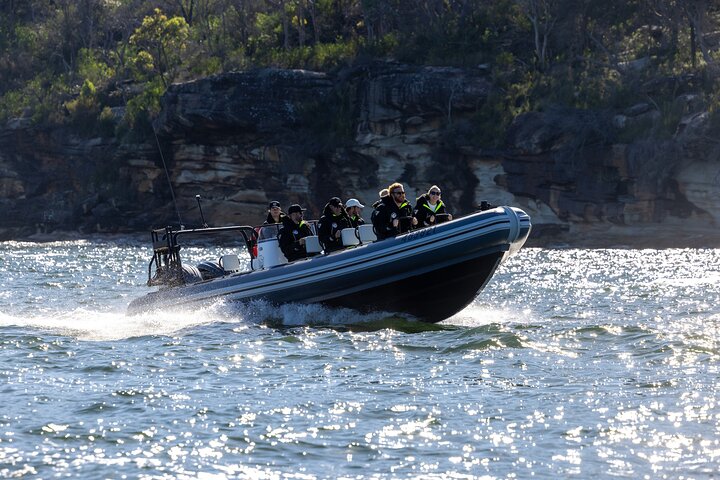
571 364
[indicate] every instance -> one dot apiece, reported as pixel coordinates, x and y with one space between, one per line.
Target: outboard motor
210 270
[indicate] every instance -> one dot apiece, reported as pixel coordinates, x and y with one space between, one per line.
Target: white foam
92 325
476 316
298 314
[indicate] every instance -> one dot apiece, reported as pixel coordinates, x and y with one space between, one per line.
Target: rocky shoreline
242 139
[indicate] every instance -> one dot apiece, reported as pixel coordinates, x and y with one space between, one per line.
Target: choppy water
573 363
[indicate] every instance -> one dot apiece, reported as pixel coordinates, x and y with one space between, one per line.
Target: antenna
202 217
167 174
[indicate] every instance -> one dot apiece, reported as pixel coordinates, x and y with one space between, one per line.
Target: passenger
382 194
293 233
275 214
430 209
330 226
394 214
352 207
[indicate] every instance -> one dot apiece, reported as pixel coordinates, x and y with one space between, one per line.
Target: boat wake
91 325
293 315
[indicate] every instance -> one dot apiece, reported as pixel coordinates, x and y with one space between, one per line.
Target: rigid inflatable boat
430 273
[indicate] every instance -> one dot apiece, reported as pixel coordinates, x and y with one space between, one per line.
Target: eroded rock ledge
242 139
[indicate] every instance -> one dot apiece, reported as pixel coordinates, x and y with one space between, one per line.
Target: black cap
274 203
335 202
295 208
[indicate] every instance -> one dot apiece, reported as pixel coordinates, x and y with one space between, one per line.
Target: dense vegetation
79 62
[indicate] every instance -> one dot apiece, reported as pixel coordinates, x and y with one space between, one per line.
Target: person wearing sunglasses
430 209
394 214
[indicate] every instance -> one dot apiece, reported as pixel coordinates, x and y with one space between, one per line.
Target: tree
542 16
164 39
187 7
699 15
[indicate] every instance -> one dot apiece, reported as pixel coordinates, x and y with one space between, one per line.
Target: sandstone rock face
261 142
242 139
660 192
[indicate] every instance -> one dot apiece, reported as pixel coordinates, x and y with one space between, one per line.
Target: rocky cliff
242 139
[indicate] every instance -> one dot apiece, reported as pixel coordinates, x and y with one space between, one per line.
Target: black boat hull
432 296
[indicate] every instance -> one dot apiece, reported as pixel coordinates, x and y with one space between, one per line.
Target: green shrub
40 98
491 121
92 68
326 56
106 123
142 108
84 109
12 104
322 57
203 66
142 66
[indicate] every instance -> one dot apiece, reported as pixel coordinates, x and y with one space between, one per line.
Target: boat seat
312 244
366 233
229 263
269 254
349 237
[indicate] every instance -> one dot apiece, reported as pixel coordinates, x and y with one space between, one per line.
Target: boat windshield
268 231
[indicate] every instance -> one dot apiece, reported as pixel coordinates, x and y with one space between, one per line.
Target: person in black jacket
292 234
330 226
430 209
275 214
382 194
352 207
393 215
